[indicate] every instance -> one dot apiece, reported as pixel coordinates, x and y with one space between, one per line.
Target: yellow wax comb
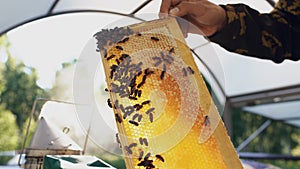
164 113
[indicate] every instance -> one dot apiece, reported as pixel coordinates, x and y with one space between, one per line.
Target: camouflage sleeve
274 36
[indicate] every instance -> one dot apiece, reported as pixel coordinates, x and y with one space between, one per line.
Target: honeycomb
165 116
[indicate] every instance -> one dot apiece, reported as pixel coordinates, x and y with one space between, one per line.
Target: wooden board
164 112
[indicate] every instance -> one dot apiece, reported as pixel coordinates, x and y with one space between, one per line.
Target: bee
109 103
164 68
114 87
124 40
118 62
113 70
128 150
122 108
119 47
147 163
123 56
118 140
139 93
148 72
190 70
128 111
105 53
139 34
159 157
157 59
150 110
118 118
154 38
133 122
171 50
147 156
143 141
133 82
206 121
166 58
122 94
170 59
151 117
116 105
184 72
140 118
133 91
135 116
162 75
132 145
146 102
142 83
138 107
141 155
110 57
139 73
114 67
132 98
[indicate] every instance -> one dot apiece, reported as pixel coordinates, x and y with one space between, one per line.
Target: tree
8 130
9 136
32 127
278 138
18 86
63 86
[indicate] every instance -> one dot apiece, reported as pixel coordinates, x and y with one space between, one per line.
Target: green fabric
70 159
97 164
57 161
51 163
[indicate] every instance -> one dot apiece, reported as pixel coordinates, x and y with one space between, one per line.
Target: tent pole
244 144
86 140
52 7
28 126
140 7
271 2
227 117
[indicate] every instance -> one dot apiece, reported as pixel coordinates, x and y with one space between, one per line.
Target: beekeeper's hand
206 16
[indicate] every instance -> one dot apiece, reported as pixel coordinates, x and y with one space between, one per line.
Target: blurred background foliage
278 138
18 90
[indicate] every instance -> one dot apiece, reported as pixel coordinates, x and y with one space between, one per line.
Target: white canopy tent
258 86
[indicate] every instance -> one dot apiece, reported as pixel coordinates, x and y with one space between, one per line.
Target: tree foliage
32 127
18 86
278 138
8 130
